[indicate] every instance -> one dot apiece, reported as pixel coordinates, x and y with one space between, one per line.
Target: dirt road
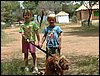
72 44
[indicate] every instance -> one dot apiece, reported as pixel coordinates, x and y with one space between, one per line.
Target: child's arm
42 41
21 30
25 37
38 36
59 38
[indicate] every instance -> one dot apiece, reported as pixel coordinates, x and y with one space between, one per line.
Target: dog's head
56 64
63 62
60 61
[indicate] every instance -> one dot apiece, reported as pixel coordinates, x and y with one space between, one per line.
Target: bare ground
73 44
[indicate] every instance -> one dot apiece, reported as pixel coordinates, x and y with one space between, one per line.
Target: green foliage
30 5
9 10
85 23
96 13
74 19
11 68
70 8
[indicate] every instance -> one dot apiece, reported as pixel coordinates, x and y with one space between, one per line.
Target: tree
8 10
89 6
44 7
54 6
70 7
31 5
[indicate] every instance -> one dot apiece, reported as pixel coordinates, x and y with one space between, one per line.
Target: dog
56 65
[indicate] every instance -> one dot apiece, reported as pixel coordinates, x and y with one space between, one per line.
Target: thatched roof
62 13
96 6
82 7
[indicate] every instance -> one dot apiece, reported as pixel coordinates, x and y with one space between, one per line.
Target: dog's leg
61 72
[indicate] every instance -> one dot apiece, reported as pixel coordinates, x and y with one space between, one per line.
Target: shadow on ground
82 31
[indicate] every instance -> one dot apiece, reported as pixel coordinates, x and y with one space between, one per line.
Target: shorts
52 50
26 46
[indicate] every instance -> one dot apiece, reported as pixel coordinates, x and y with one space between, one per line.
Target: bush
5 26
74 19
85 23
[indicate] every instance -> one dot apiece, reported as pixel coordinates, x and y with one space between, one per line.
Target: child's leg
35 69
33 53
25 47
26 58
34 59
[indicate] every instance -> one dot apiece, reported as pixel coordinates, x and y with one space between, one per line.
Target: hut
62 17
83 14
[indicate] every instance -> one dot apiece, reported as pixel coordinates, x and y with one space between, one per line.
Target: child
52 34
28 31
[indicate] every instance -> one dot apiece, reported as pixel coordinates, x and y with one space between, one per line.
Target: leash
41 49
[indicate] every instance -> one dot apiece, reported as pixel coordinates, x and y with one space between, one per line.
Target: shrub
74 19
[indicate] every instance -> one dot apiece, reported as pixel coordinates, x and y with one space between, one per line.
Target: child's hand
40 45
28 40
59 46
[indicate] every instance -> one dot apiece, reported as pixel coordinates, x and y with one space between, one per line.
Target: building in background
82 12
62 17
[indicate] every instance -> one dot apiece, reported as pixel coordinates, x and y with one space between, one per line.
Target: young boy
28 30
52 34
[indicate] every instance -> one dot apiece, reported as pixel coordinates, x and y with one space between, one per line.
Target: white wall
63 19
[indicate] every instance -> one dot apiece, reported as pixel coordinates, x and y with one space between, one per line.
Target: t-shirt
52 34
29 29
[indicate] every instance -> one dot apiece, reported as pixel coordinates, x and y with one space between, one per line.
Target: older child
28 30
52 34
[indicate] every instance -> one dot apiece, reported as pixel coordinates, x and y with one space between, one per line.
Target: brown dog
56 65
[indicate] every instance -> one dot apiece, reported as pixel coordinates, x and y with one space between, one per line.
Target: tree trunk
37 18
41 18
90 13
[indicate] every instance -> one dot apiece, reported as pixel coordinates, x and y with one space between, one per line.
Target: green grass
82 30
90 29
11 68
86 29
15 66
79 65
88 65
84 65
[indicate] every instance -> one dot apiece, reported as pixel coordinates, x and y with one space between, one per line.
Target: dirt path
72 44
79 43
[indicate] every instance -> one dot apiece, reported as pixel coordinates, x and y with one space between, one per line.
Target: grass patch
84 65
82 30
80 65
16 67
86 29
11 68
